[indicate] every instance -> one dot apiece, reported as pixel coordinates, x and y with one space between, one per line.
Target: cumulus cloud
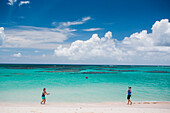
32 37
92 29
138 47
161 33
11 2
94 47
2 35
160 36
23 2
17 55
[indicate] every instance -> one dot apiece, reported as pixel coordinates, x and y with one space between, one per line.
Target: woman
43 95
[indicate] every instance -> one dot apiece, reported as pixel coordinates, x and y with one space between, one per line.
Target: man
129 92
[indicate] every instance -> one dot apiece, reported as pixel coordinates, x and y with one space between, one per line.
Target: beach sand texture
115 107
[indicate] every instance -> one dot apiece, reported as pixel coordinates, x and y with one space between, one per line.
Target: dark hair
130 87
44 89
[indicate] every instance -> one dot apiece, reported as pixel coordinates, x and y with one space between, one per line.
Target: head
44 89
129 88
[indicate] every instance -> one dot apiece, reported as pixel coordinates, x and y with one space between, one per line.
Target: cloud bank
38 37
141 46
32 37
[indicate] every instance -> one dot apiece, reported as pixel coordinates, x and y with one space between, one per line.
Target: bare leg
130 102
44 101
41 101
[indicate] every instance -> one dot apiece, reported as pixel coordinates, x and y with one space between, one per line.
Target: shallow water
68 83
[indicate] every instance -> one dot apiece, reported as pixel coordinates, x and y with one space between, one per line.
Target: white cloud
23 2
140 47
17 55
11 2
108 35
92 29
43 55
63 27
66 30
2 35
161 33
33 37
36 51
78 22
94 47
86 18
160 36
38 37
138 39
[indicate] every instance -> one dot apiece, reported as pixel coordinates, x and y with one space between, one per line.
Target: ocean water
68 83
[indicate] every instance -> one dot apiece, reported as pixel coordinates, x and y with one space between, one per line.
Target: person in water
43 95
129 92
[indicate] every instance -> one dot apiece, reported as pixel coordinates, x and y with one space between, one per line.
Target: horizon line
88 64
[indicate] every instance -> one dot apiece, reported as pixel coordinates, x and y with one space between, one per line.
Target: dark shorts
128 97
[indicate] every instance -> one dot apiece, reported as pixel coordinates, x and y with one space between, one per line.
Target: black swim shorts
128 97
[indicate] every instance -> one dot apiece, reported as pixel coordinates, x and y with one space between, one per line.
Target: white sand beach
114 107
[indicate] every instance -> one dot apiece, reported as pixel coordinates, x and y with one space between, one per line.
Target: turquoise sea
68 83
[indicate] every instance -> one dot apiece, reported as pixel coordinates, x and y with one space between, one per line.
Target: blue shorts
43 97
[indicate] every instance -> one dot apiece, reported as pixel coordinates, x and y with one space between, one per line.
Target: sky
120 32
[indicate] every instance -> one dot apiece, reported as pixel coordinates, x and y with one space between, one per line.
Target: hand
48 94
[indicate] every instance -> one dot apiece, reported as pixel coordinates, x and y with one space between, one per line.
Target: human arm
47 93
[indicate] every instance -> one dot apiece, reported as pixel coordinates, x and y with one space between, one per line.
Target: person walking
43 95
129 92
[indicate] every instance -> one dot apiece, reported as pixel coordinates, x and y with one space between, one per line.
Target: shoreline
105 107
48 101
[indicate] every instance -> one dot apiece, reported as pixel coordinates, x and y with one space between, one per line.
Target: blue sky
43 31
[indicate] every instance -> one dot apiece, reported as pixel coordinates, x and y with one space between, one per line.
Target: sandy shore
111 107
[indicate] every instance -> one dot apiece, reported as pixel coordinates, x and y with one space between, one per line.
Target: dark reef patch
74 70
7 75
124 70
157 71
97 72
19 73
21 68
